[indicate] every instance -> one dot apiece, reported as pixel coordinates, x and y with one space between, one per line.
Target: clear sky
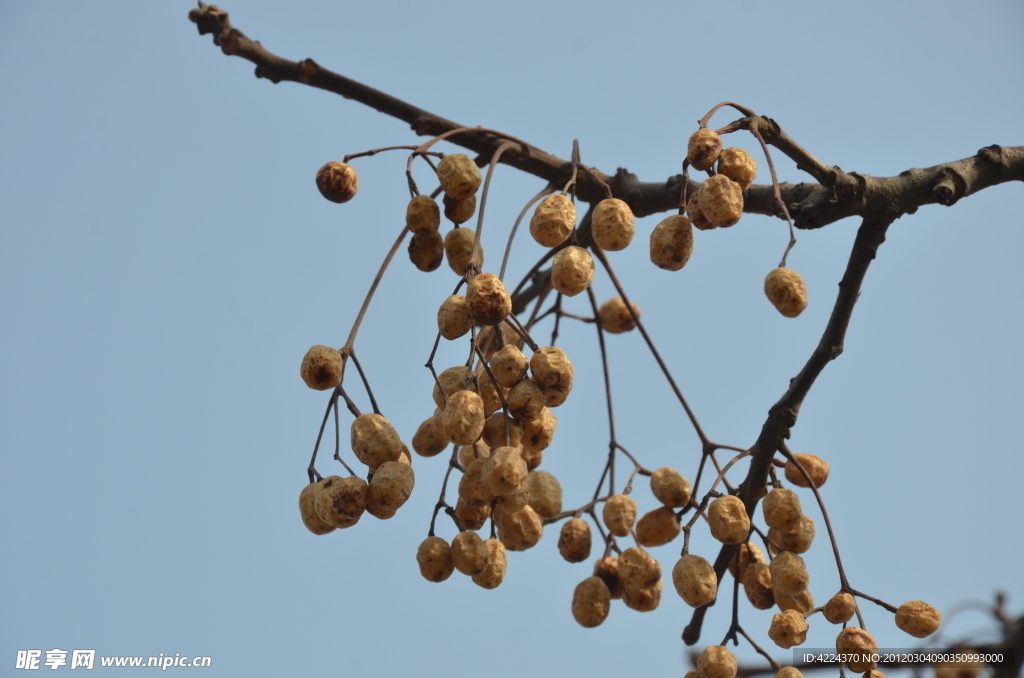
166 261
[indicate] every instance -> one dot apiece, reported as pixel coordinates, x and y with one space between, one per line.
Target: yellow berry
459 176
489 301
553 372
695 580
459 211
816 467
337 181
747 553
538 434
473 490
642 599
458 248
574 540
391 485
657 527
509 365
672 243
451 381
859 643
788 628
789 574
721 201
737 164
716 662
785 289
670 487
553 220
703 150
611 224
472 517
469 553
782 509
426 251
518 531
504 471
495 428
728 519
545 493
757 584
572 270
423 215
375 440
697 217
526 400
321 367
639 568
839 609
615 317
307 509
494 571
591 602
454 318
918 618
435 559
341 501
607 568
619 514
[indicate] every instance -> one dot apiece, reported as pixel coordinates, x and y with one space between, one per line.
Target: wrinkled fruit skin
858 642
611 224
918 618
591 602
721 201
459 176
553 220
672 243
337 182
307 509
788 629
695 580
572 270
716 662
321 367
785 289
703 150
435 559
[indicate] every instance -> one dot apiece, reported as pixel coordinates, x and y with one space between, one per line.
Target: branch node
307 69
993 154
949 187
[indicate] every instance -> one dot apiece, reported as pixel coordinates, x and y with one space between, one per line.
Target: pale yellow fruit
504 471
374 440
463 418
785 289
435 559
426 251
553 220
607 568
639 568
728 519
702 151
697 217
695 580
816 467
572 270
337 181
526 400
539 433
423 215
657 527
545 493
574 541
469 553
840 608
789 574
737 164
789 628
798 539
452 380
459 176
321 368
489 301
670 487
519 531
716 662
494 571
459 211
642 600
721 201
551 369
471 517
615 317
611 224
803 602
472 488
458 248
428 441
307 509
495 429
341 501
509 365
391 486
757 584
672 243
918 618
782 509
747 553
859 643
619 514
454 318
591 602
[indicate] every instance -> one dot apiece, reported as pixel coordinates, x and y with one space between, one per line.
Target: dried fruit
797 540
737 164
453 380
469 553
728 519
615 316
553 372
840 608
519 531
337 181
428 441
574 540
639 568
341 501
538 434
697 217
721 201
747 553
321 367
459 211
545 493
788 628
670 487
489 301
607 568
423 215
619 514
658 527
526 400
716 662
504 471
489 392
459 176
463 418
458 248
591 602
702 151
572 270
816 467
426 252
789 574
859 643
803 602
496 427
672 243
472 488
553 220
494 571
782 509
471 517
454 318
375 440
435 559
757 584
642 600
307 509
785 289
918 618
695 580
611 224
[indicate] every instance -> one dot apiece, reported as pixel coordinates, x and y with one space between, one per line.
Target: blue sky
166 261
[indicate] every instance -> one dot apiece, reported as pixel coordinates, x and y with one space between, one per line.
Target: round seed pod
816 467
757 584
797 540
695 580
459 176
375 440
391 485
839 609
341 501
545 493
574 540
670 487
512 503
494 571
697 217
519 531
591 602
463 418
469 553
572 270
789 574
619 514
472 488
509 365
426 251
553 220
307 509
658 527
642 600
538 434
337 181
858 642
533 459
607 568
721 201
672 243
453 380
788 672
553 372
785 289
782 509
471 517
702 151
918 618
494 431
611 225
788 628
435 559
526 400
321 367
454 318
489 302
639 568
737 164
716 662
803 602
729 521
615 317
422 215
458 248
747 553
489 393
459 211
504 471
428 442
